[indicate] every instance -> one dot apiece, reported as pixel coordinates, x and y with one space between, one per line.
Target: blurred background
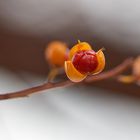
102 110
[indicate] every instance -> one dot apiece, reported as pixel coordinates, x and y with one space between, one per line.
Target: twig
105 75
112 73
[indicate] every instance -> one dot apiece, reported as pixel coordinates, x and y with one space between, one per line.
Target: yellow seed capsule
56 53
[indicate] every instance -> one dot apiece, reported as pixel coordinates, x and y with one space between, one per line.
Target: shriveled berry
85 61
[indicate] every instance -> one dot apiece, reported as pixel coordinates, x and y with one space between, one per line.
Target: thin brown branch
105 75
112 73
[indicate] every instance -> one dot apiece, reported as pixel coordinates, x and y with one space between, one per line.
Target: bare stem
105 75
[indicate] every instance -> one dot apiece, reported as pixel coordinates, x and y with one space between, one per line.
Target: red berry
85 61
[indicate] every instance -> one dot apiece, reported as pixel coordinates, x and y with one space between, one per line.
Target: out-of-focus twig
134 77
105 75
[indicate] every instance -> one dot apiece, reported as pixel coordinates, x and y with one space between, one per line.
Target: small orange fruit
56 53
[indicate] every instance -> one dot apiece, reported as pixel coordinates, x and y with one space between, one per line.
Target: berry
85 61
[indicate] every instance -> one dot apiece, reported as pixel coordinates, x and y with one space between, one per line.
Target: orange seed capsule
56 53
83 61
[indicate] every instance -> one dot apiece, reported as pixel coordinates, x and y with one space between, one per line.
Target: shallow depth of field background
104 110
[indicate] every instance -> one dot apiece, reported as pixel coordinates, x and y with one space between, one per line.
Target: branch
105 75
112 73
